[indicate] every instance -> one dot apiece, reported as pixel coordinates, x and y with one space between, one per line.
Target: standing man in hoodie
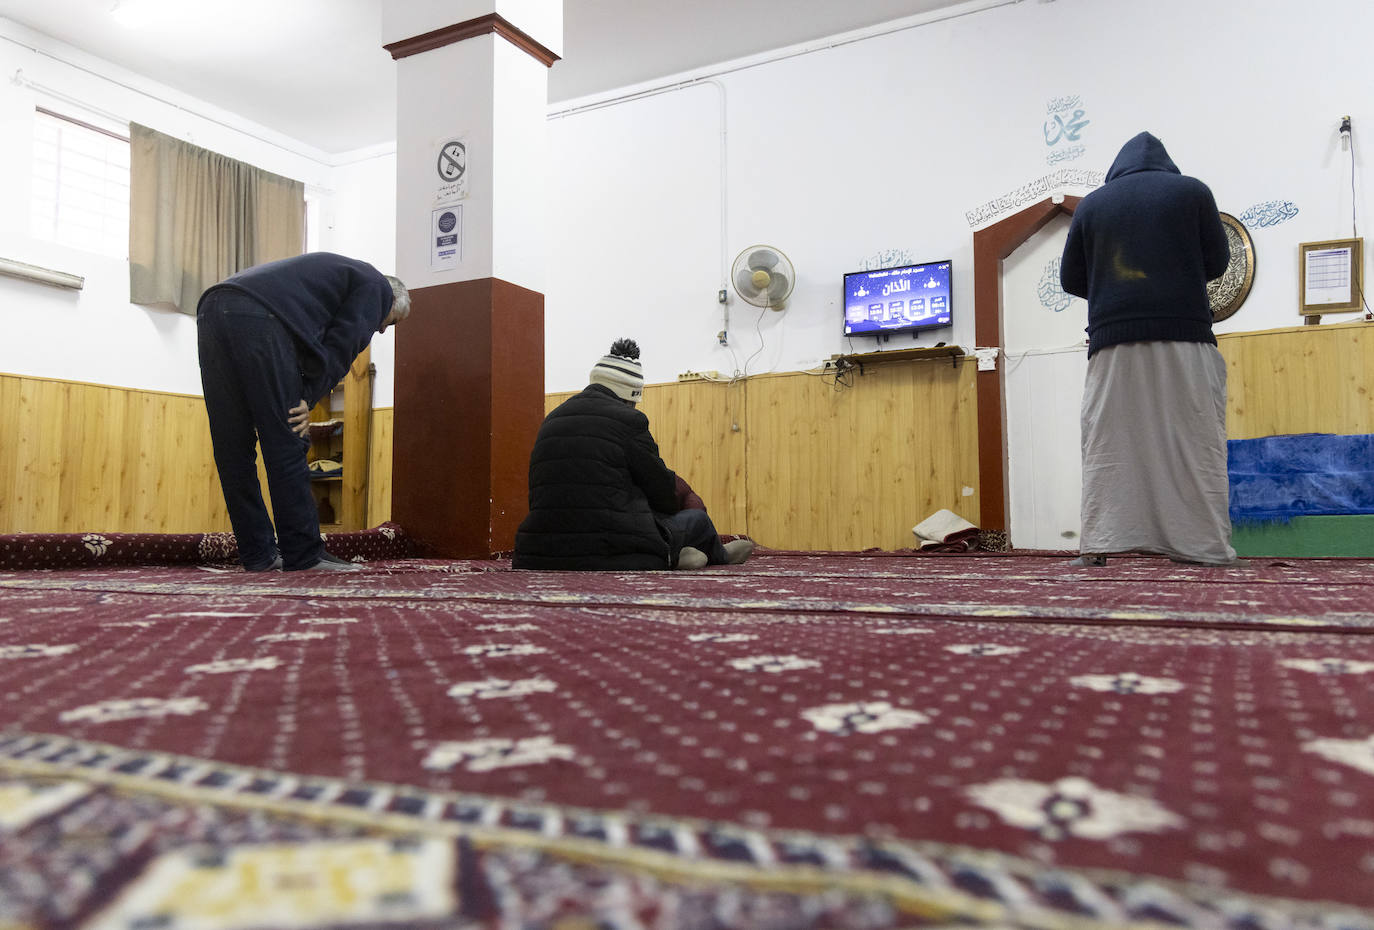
1141 249
273 340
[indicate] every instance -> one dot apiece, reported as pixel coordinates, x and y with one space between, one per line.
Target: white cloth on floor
947 530
1154 452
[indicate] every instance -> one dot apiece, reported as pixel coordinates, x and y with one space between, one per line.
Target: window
80 185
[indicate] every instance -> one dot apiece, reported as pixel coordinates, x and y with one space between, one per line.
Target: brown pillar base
469 401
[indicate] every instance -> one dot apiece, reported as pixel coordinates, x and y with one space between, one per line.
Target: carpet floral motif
133 709
1356 753
863 717
484 755
1072 807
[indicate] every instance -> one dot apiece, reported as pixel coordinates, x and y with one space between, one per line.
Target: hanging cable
1348 133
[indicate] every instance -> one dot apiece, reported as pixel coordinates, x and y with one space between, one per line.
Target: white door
1046 359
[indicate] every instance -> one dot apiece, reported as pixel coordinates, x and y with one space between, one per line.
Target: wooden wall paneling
831 511
926 444
42 408
194 481
1302 379
134 425
808 458
1353 352
379 468
70 439
773 473
10 430
859 466
75 486
149 461
357 441
693 425
920 456
88 458
553 400
102 462
173 467
810 467
208 496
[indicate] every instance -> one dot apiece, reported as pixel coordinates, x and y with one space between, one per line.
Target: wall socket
699 376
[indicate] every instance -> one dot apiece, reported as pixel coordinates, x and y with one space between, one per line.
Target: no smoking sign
453 161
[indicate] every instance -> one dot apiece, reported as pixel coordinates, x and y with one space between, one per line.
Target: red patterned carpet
846 741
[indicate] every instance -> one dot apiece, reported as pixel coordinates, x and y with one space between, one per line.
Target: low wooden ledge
859 361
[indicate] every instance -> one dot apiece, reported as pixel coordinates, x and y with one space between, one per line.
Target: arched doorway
990 247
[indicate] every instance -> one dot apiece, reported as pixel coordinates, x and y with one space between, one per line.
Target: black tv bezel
915 328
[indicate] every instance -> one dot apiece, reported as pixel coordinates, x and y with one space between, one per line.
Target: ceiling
315 69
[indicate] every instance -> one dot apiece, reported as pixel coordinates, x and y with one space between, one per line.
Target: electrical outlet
699 376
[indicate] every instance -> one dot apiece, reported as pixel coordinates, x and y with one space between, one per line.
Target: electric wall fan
763 276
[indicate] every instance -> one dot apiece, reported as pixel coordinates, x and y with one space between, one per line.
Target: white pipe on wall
39 275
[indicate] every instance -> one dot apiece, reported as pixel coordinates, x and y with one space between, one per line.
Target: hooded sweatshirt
1142 248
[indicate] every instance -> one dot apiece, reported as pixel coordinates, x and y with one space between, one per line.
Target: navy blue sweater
1142 248
331 305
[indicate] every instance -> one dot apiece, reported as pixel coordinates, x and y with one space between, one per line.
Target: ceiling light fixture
136 14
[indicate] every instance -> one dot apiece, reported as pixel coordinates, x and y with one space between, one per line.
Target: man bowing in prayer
273 340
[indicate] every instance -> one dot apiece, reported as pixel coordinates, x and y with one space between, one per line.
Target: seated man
601 498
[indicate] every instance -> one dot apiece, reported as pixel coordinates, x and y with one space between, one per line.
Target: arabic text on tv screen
897 300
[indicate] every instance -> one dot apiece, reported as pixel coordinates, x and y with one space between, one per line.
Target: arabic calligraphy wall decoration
1228 292
1269 213
887 258
1052 295
1064 123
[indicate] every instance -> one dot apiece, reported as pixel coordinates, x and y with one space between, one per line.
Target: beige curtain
196 217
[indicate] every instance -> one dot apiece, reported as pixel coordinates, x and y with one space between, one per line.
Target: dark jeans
251 378
694 528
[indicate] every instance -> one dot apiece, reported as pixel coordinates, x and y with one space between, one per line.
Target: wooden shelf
343 494
953 353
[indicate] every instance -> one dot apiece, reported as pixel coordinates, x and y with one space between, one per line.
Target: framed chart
1330 276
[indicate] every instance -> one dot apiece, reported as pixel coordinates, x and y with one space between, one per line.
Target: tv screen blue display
897 300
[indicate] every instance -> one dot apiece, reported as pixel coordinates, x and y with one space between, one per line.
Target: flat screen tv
897 300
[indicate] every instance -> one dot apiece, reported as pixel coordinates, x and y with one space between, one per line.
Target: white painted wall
358 218
840 154
885 144
96 335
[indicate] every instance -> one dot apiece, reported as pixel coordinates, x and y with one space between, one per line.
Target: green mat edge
1307 536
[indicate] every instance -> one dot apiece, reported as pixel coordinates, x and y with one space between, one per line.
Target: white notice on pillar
446 238
451 165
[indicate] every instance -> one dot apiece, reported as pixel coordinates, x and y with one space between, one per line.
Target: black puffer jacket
596 481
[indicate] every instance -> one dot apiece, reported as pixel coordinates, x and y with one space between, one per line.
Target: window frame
99 240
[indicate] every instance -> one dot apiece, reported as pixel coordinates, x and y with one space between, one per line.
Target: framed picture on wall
1331 276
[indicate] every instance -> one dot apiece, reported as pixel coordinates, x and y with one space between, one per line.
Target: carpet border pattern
933 880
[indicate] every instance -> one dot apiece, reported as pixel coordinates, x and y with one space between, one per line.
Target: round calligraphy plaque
1226 293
